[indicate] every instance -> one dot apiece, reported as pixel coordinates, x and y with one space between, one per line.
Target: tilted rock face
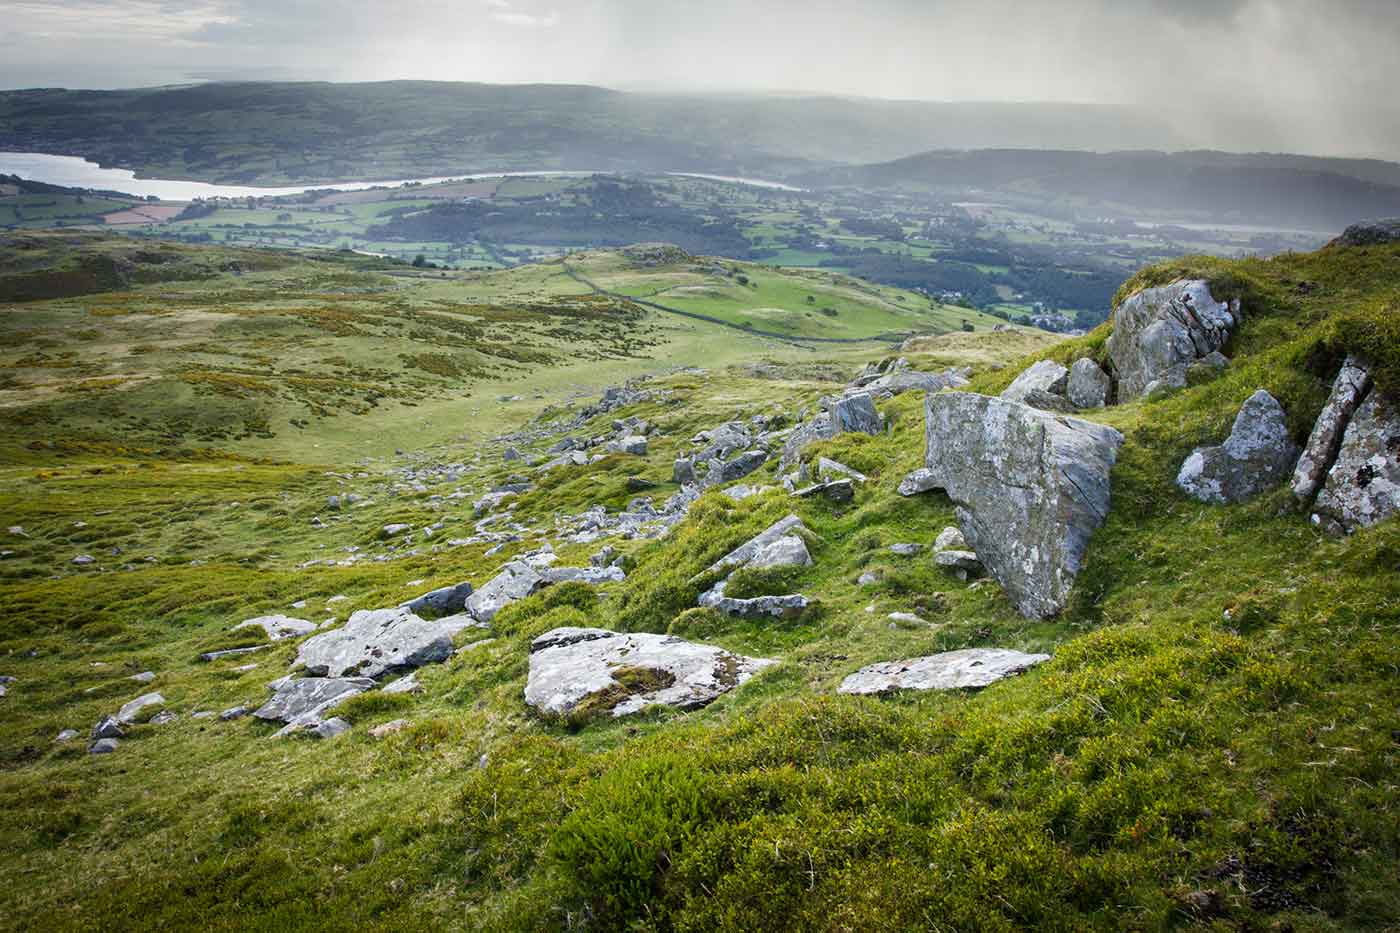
1088 384
1363 485
304 699
516 580
1045 375
446 600
1159 332
1256 456
746 552
1349 388
787 551
377 641
570 665
1031 487
951 670
850 413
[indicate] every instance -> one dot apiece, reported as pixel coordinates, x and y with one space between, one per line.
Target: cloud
503 11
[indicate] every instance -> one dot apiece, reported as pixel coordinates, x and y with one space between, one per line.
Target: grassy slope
1218 717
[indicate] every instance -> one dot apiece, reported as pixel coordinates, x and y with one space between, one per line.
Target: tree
420 261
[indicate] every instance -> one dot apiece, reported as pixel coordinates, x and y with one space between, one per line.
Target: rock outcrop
375 642
1030 488
849 413
1370 233
444 601
1159 332
1320 452
968 668
1256 456
1088 385
515 581
303 700
622 674
1043 375
746 552
1363 484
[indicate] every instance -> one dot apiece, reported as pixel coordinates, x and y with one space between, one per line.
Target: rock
1044 375
103 747
234 712
1159 332
67 735
305 698
745 552
921 480
515 581
443 601
741 492
1370 233
1030 488
375 642
1047 401
722 472
1348 391
590 575
627 673
840 490
683 471
787 551
951 670
18 531
83 560
510 454
326 729
1207 367
907 618
950 539
389 728
905 380
1257 455
868 578
108 728
1088 384
1363 485
144 677
826 468
633 445
131 711
856 414
405 684
279 627
163 717
230 652
963 564
784 607
604 558
905 548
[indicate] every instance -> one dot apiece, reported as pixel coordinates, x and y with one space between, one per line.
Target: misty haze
529 465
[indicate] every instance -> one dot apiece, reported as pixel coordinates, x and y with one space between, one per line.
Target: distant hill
1285 190
300 132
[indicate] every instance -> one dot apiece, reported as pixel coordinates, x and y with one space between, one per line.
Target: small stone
67 735
950 539
394 530
921 480
905 549
108 728
144 677
967 668
234 712
132 710
389 728
103 747
907 618
869 578
963 564
83 560
328 729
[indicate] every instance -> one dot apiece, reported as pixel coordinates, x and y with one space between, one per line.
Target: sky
1310 75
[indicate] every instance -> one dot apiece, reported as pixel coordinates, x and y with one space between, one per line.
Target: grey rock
962 564
567 666
728 471
305 698
968 668
1370 233
950 539
132 710
840 490
18 531
83 560
590 575
163 717
909 379
1363 485
144 677
67 735
1030 487
510 454
108 728
1257 455
741 492
907 618
405 684
384 730
1320 452
1159 332
231 652
906 548
1047 401
279 627
683 471
1044 375
515 581
375 642
787 551
394 530
868 578
782 607
103 747
633 445
828 468
745 552
317 728
444 601
1088 384
856 414
921 480
234 712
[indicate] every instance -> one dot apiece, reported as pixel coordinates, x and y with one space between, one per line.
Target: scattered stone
1047 401
132 710
905 548
745 552
593 576
963 564
83 560
405 684
515 581
67 735
683 472
639 484
163 717
907 618
1044 375
375 642
627 673
722 472
1363 485
633 445
950 539
787 551
103 747
234 712
827 467
921 480
510 454
952 670
144 677
1257 455
230 652
108 728
326 729
279 627
1159 332
394 530
869 578
444 601
1088 384
389 728
837 490
1030 489
18 531
782 607
1348 391
303 699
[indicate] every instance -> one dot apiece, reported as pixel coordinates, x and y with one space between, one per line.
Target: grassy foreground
1213 744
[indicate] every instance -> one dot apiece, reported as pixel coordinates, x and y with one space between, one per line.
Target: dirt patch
143 214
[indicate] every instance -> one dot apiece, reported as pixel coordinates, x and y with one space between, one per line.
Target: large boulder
623 674
1030 488
302 700
375 642
515 581
1044 376
444 601
1320 452
952 670
787 551
1363 484
1159 332
1088 384
1257 455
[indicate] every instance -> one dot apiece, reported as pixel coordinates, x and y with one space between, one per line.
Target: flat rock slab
375 642
590 575
515 581
968 668
745 552
1041 376
569 666
443 601
779 607
132 710
1159 332
1030 487
304 699
1258 455
279 627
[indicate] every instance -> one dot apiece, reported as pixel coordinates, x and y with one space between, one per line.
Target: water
77 172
